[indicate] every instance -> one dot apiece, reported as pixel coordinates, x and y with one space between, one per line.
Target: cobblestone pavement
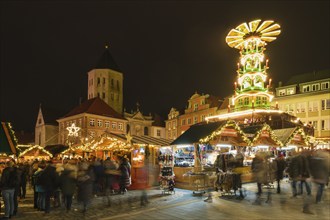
183 204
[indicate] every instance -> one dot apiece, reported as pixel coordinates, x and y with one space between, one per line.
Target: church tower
106 81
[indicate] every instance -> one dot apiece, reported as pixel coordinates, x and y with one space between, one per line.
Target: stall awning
292 136
262 135
36 151
196 132
143 139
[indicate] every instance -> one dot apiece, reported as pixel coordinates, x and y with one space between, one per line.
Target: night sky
166 50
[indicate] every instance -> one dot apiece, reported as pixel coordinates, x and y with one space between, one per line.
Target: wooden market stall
35 152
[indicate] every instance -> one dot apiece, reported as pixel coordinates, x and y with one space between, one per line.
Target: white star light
73 130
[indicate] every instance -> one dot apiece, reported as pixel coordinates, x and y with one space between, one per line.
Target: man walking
7 184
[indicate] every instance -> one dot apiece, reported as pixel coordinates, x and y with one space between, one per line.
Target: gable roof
308 77
50 115
56 149
107 62
95 106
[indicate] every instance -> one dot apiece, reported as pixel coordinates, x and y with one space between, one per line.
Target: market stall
35 152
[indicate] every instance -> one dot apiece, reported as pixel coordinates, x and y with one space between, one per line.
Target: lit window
264 100
120 126
246 101
158 133
203 118
195 119
313 106
316 87
315 125
114 125
290 91
107 124
325 124
195 106
281 92
91 122
189 121
183 122
99 123
240 101
258 100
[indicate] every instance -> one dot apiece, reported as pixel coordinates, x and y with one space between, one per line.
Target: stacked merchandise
166 177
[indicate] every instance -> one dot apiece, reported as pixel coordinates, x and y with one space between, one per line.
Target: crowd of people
303 168
60 182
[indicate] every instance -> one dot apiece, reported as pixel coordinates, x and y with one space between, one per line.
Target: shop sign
297 137
229 132
249 135
264 134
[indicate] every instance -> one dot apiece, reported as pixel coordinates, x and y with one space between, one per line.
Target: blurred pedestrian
281 165
125 178
320 172
67 184
85 181
258 171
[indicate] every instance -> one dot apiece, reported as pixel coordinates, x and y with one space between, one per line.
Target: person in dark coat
281 165
125 178
49 181
7 185
67 184
85 180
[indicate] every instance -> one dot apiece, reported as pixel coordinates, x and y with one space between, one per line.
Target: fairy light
38 148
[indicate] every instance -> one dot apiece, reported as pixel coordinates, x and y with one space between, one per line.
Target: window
325 104
103 81
316 87
99 123
325 85
195 119
246 101
39 121
203 102
315 125
325 124
258 100
313 106
264 100
281 92
91 122
107 124
114 125
98 81
120 126
189 121
195 106
146 131
240 101
174 125
288 108
306 88
290 91
203 118
158 133
183 122
301 107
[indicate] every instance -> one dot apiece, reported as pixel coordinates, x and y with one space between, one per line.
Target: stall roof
7 139
35 151
284 134
196 132
56 149
143 139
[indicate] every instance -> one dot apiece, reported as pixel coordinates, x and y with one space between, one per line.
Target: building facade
307 96
94 117
199 107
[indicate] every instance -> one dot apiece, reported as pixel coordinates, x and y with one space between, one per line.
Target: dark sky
167 50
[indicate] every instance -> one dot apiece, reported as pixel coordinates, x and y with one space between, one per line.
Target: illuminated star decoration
129 138
73 130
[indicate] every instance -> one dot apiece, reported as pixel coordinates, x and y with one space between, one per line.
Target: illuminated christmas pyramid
251 39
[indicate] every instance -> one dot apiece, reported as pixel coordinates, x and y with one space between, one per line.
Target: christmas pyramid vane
251 39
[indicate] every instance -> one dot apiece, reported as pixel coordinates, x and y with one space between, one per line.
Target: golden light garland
39 148
229 123
272 135
302 133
